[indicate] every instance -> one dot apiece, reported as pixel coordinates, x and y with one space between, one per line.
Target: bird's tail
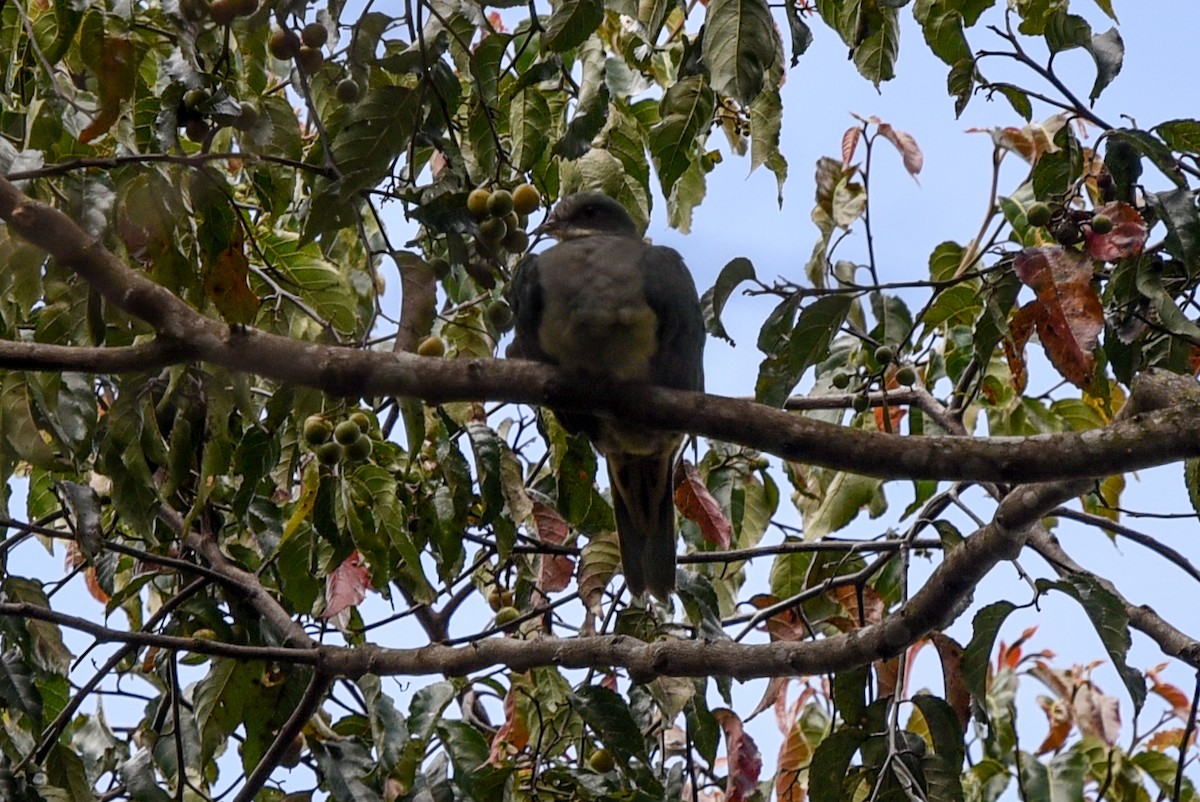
643 500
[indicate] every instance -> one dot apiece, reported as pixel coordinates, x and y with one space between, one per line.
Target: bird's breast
595 317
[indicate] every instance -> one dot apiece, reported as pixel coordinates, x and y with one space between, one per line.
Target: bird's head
586 214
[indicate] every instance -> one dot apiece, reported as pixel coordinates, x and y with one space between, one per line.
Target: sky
740 217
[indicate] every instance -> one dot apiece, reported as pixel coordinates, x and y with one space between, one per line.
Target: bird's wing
525 298
671 293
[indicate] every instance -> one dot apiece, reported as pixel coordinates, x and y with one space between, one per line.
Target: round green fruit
477 203
329 453
360 449
906 376
507 615
347 432
493 230
314 34
861 403
196 129
362 420
884 354
1038 214
317 430
515 241
1102 224
840 380
500 203
193 99
500 315
348 91
440 268
526 199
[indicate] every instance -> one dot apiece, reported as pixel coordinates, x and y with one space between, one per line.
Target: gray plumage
603 302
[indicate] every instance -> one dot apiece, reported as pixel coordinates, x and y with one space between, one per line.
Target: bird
604 303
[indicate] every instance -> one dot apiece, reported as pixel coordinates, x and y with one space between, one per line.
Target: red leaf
698 506
1069 316
1127 237
849 145
1181 706
346 586
743 757
1058 715
555 570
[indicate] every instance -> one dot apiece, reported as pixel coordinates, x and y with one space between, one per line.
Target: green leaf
1066 31
818 324
1152 148
346 766
944 728
960 304
976 655
427 707
1191 478
876 55
1181 135
314 278
1108 51
1060 779
739 46
801 34
850 693
686 110
1177 209
1108 616
844 498
609 716
713 301
766 124
529 123
831 762
18 689
943 30
572 22
140 779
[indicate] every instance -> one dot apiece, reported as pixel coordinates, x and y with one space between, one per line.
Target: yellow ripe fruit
602 761
506 615
432 346
477 203
526 199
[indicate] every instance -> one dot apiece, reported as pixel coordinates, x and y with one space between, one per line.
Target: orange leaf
698 506
863 613
743 757
1059 717
950 653
1181 706
226 283
514 732
795 753
555 570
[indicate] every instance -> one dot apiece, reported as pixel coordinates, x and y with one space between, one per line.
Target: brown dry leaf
227 285
116 77
698 506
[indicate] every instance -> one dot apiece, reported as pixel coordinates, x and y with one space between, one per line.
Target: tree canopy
282 484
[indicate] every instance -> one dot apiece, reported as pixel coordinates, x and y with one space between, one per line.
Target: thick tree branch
43 356
1160 437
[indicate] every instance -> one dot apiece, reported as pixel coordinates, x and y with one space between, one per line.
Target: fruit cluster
1065 224
305 48
200 111
905 375
349 439
502 217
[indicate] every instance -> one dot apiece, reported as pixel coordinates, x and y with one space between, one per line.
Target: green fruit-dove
602 302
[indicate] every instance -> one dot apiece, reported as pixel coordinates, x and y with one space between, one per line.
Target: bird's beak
548 228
